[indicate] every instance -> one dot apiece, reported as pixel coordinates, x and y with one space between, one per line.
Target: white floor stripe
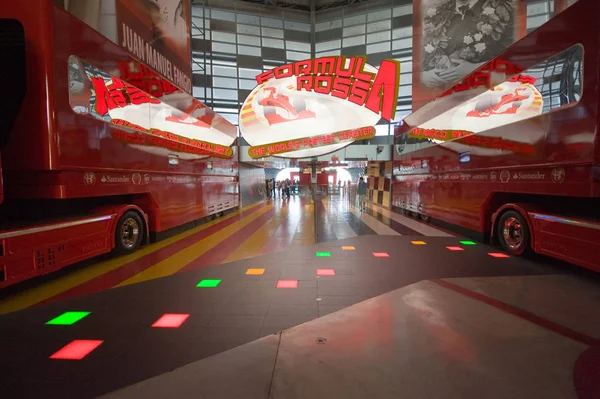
375 225
410 223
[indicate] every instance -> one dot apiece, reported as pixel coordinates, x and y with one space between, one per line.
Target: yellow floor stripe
49 289
254 245
183 258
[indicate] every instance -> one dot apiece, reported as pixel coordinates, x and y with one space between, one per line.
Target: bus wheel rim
512 233
130 232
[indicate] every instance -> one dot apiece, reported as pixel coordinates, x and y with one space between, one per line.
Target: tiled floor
239 309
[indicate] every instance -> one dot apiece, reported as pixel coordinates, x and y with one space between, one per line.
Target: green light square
68 318
208 283
322 254
468 242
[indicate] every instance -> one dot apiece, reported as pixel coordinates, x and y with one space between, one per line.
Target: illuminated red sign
281 147
437 134
346 79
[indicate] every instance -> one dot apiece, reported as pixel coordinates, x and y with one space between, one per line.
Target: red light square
325 272
498 255
76 350
287 284
381 254
170 320
455 248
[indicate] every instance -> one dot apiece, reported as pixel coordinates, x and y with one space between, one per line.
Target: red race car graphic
275 100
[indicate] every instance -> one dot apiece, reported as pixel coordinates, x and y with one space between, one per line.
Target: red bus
511 153
99 153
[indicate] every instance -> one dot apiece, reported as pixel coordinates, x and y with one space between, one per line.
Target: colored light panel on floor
322 254
287 284
455 248
467 242
381 254
170 320
76 350
67 318
348 248
208 283
325 272
498 255
418 242
255 271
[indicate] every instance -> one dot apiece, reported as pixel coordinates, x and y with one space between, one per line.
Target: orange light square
455 248
255 271
348 248
381 254
418 242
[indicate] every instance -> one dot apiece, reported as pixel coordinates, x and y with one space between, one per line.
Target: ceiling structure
303 5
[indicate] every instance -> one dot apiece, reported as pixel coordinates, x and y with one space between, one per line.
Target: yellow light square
348 248
418 242
255 271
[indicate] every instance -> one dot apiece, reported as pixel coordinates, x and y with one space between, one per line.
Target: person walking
362 192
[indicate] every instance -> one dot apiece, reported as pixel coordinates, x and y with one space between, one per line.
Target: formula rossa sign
313 107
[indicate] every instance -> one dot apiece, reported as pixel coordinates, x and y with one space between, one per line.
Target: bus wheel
129 233
513 233
424 218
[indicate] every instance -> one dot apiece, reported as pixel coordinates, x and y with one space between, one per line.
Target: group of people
282 187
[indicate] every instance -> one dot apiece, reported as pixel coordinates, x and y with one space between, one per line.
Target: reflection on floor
273 226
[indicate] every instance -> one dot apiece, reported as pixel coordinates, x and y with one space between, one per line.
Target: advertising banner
157 32
452 38
314 107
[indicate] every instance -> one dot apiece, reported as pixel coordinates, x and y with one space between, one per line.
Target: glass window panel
197 11
223 37
301 26
536 22
249 73
219 70
402 10
271 22
379 15
378 47
402 33
247 84
405 91
270 32
223 48
537 8
297 56
250 50
223 15
329 53
377 26
405 64
327 25
355 20
354 30
248 19
297 46
228 83
233 118
382 130
224 62
198 92
378 37
402 44
248 30
275 43
248 40
225 94
354 41
405 78
330 45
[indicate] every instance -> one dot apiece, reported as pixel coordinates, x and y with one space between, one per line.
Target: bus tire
513 233
424 218
129 233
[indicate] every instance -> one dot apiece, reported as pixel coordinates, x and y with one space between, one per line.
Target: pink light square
325 272
170 320
76 350
498 255
381 254
287 284
455 248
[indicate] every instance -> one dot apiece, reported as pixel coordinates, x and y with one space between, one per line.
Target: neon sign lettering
281 147
118 95
330 76
436 134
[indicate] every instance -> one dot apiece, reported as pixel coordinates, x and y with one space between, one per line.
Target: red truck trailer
511 153
99 152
